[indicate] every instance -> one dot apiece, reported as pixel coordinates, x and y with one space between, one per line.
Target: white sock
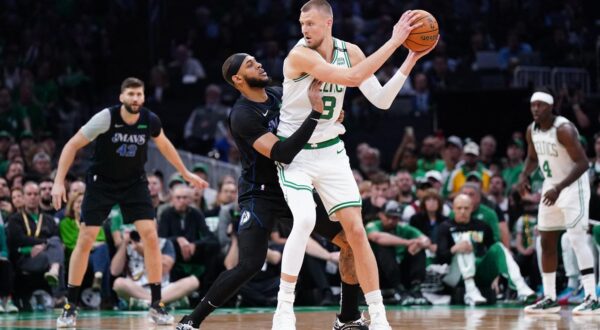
470 284
549 283
589 285
374 298
287 287
286 296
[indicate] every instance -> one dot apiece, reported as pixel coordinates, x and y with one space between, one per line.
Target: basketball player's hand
551 196
417 55
404 26
195 180
314 96
523 185
59 195
341 117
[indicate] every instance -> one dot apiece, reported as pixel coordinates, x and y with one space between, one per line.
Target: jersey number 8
328 107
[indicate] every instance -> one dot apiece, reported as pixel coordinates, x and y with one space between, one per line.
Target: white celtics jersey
553 158
296 106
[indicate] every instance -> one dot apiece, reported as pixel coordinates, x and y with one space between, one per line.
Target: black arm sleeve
285 151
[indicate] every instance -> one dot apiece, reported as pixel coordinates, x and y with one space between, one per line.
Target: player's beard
129 109
258 83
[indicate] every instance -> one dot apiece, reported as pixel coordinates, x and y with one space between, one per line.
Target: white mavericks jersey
553 159
296 106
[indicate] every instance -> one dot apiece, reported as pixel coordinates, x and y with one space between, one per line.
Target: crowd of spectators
57 69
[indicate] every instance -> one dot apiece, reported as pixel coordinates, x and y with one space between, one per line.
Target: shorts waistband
318 145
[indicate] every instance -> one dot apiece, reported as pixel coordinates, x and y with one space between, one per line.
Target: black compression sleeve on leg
285 151
349 303
253 244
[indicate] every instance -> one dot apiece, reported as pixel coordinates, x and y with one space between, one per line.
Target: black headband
234 66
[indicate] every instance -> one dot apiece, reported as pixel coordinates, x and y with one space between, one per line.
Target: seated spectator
470 166
41 165
399 246
16 198
404 183
514 163
526 235
429 160
483 212
497 197
206 198
46 196
34 242
129 262
430 215
422 187
99 259
369 161
371 206
227 194
469 247
185 68
155 187
451 154
195 245
6 277
488 145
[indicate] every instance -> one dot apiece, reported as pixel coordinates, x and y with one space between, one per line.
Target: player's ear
121 97
237 79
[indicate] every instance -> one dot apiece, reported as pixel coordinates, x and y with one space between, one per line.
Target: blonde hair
69 211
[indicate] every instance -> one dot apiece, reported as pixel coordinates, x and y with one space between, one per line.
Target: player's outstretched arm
383 96
168 150
303 60
271 147
67 156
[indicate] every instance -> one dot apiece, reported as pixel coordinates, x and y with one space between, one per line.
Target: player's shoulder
353 50
240 110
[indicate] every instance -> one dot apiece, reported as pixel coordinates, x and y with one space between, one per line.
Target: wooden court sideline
426 318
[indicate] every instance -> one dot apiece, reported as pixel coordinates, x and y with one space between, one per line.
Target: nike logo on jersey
265 114
340 151
119 125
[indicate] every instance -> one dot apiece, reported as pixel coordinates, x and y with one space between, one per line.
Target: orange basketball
424 37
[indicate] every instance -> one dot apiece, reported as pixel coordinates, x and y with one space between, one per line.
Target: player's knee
119 284
548 246
192 283
149 237
356 233
86 239
304 223
577 238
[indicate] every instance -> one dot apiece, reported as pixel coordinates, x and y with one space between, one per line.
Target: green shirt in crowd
423 166
402 230
69 230
3 246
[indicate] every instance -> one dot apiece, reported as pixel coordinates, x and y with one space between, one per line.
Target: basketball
424 37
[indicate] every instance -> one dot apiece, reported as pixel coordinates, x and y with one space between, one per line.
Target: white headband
541 96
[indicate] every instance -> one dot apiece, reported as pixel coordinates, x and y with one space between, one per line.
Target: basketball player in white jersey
553 145
323 163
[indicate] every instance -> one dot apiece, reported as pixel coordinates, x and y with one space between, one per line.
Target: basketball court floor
422 318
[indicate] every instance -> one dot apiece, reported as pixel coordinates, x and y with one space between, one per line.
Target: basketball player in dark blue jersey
253 122
117 176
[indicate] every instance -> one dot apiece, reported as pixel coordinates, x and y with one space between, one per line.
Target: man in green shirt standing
399 246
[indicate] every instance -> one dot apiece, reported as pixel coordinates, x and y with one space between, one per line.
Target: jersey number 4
547 170
127 150
328 107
